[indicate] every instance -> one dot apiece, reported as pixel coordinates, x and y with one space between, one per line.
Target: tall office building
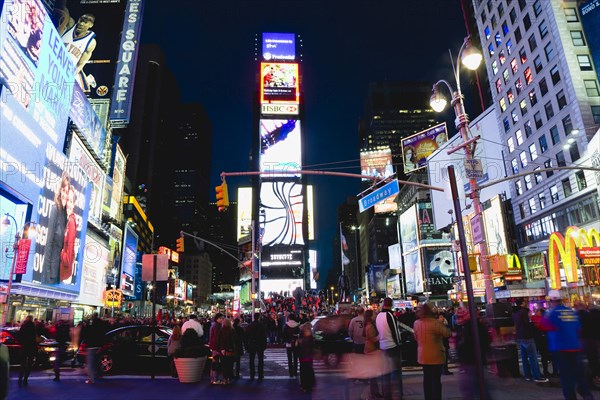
547 99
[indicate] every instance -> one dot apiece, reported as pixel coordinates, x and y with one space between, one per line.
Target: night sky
209 45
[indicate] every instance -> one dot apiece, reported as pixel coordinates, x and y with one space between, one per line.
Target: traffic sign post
387 190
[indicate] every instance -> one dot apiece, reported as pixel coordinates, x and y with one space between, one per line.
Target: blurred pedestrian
541 343
174 344
213 343
226 343
4 371
93 334
62 336
525 335
256 343
305 356
442 318
356 330
239 346
291 333
371 344
429 333
390 342
28 338
563 328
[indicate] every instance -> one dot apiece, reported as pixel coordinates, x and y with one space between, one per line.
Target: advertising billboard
7 233
244 212
87 122
280 146
310 212
278 46
314 268
395 256
376 163
279 83
95 263
416 148
281 256
115 237
280 286
589 10
79 155
495 231
122 95
427 231
386 206
281 213
409 229
393 287
118 180
128 261
440 269
377 280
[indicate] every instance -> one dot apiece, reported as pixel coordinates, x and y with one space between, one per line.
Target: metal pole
468 283
252 291
153 314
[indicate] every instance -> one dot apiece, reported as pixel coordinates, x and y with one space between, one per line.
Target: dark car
130 347
332 340
46 350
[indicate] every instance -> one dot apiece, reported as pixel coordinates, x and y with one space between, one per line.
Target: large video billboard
283 287
7 233
440 269
278 46
590 14
244 212
95 261
494 227
376 163
87 122
279 83
280 146
128 261
281 208
410 252
416 148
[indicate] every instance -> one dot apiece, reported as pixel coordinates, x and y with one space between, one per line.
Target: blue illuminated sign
279 46
387 190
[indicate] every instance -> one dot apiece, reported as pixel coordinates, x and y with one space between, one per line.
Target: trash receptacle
505 360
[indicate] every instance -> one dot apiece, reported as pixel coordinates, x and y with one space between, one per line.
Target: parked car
45 353
332 340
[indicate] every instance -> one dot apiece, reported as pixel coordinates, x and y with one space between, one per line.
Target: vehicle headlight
50 349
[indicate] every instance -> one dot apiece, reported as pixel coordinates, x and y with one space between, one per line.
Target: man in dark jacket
93 334
63 335
256 343
28 339
525 335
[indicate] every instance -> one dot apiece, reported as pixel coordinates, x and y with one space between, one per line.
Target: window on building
511 144
509 46
518 187
543 143
532 97
537 8
542 200
585 64
528 129
561 99
523 55
567 125
528 184
548 164
498 85
494 22
543 87
483 16
518 35
549 51
500 10
501 57
514 66
532 206
505 75
523 106
498 39
505 29
538 120
527 75
532 151
554 135
519 136
580 179
596 114
574 151
553 194
495 67
502 103
506 123
537 175
560 159
591 87
566 186
532 43
491 49
577 37
571 15
519 86
487 32
543 28
510 96
521 210
512 15
537 62
515 166
526 22
555 74
522 4
523 158
549 110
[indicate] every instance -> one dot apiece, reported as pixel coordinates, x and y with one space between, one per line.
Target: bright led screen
278 46
279 83
376 163
281 207
280 286
128 261
280 145
416 148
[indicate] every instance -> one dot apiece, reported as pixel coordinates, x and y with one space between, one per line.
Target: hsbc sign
279 109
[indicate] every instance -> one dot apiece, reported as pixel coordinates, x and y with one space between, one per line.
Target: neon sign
564 249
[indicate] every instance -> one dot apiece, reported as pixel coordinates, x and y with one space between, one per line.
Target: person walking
541 343
213 344
390 342
93 334
62 336
444 320
525 335
226 344
305 356
4 371
291 333
431 354
356 330
174 344
239 346
256 343
371 344
563 328
28 338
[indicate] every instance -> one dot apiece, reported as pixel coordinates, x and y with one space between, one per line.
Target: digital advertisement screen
393 287
79 155
118 180
280 286
377 280
440 269
413 273
281 256
129 259
100 40
416 148
180 289
279 83
34 67
376 163
95 262
87 122
388 205
409 230
244 212
589 10
62 213
280 146
8 232
314 268
428 233
395 256
282 209
310 214
278 46
113 269
494 227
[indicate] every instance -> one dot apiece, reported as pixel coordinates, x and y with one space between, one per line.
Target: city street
331 385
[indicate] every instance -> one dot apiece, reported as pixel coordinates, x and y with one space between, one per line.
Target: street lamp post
471 58
31 233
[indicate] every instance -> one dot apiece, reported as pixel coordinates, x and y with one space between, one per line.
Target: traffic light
222 196
180 244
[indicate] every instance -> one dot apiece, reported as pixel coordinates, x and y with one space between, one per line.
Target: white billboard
281 208
280 286
244 212
93 281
